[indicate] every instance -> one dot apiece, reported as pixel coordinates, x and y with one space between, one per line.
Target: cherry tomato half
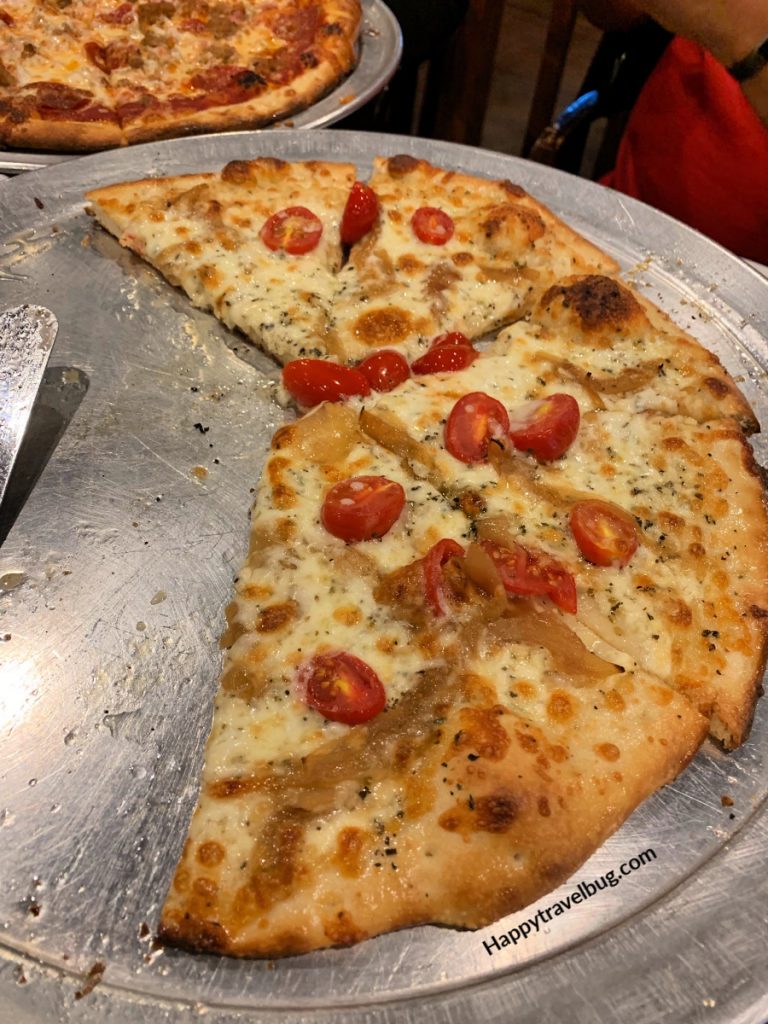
432 226
472 422
384 369
342 688
362 507
604 533
448 352
434 561
527 571
547 427
360 213
451 338
311 381
295 229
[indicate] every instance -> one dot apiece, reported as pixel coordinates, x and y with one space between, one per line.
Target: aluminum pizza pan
380 47
154 422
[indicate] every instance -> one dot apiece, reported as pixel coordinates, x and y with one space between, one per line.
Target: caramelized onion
327 434
482 570
529 622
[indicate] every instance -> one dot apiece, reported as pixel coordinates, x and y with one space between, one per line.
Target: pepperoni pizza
88 74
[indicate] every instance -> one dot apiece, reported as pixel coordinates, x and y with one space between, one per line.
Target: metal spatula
27 334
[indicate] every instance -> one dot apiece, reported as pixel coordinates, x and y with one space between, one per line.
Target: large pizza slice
494 598
396 739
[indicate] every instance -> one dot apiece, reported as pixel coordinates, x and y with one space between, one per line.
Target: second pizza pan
151 433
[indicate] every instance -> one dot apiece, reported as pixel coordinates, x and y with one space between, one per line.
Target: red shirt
695 148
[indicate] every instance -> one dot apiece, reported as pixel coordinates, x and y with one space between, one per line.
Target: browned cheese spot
597 301
560 706
409 264
717 386
210 853
558 753
206 888
351 844
677 612
608 751
462 259
383 327
347 615
544 808
614 701
193 248
527 742
181 880
696 549
275 616
496 812
482 732
660 695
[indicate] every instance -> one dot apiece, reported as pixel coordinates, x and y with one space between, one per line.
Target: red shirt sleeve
695 148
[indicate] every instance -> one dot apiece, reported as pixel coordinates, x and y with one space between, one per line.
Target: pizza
507 569
88 74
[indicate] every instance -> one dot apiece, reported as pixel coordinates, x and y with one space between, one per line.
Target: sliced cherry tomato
472 422
546 427
445 359
342 688
604 533
432 226
384 369
451 338
434 561
311 381
360 213
362 507
527 571
295 229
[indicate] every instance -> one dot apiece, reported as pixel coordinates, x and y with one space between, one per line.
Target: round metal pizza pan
154 422
380 46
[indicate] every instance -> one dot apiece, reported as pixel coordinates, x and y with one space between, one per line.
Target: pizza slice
243 243
598 332
449 252
396 741
230 243
658 519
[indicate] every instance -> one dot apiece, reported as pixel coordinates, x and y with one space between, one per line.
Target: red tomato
605 533
546 427
432 226
472 422
445 359
384 369
311 381
527 571
295 229
360 213
362 507
451 338
434 561
342 688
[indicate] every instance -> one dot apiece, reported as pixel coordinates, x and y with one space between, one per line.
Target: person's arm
729 29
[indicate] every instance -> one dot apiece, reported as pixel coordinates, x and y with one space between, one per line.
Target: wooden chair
617 72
